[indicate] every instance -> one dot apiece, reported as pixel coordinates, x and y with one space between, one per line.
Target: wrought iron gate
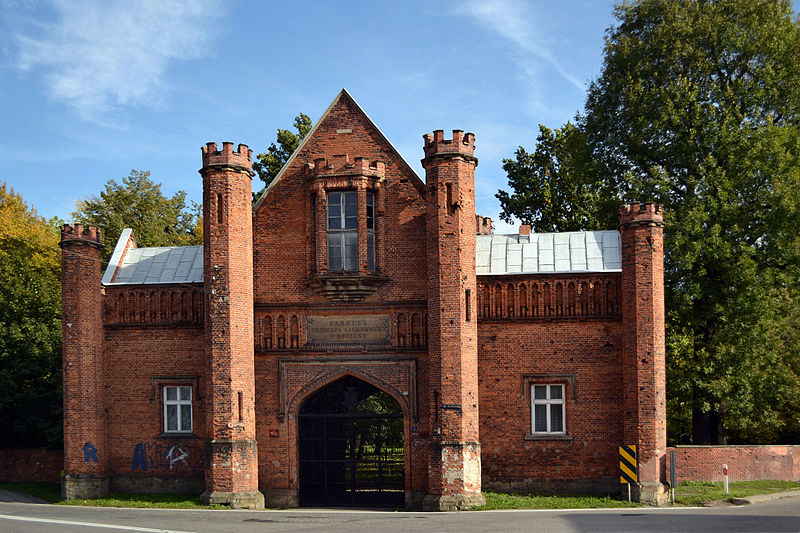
350 439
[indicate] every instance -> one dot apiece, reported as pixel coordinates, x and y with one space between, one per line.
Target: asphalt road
779 515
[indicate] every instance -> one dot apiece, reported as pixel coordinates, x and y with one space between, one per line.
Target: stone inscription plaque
348 330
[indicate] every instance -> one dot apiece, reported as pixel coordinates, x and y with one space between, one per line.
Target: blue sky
91 89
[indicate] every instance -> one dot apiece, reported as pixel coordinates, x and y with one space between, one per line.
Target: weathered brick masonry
745 463
513 362
33 464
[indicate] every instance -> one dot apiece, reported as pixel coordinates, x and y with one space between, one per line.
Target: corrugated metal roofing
577 251
166 264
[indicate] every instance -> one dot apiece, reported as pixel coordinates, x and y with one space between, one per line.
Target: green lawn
51 492
707 492
691 493
504 500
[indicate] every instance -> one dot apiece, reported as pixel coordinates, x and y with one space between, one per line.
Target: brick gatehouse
360 337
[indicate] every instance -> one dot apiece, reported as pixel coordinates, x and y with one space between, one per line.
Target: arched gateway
350 441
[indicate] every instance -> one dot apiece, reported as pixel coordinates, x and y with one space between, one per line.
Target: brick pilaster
85 450
232 459
643 346
454 473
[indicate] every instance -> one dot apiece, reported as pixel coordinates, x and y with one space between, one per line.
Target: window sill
177 435
548 436
346 286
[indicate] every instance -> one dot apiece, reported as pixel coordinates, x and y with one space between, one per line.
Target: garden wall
35 464
704 463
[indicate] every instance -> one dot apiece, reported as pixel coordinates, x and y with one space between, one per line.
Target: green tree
556 188
30 326
696 107
268 164
138 203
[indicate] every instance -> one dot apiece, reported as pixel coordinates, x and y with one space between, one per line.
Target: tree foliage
555 188
696 107
30 326
268 164
138 203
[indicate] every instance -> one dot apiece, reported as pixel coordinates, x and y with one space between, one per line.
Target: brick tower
643 344
85 450
454 473
232 461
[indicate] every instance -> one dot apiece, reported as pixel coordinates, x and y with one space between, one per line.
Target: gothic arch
293 404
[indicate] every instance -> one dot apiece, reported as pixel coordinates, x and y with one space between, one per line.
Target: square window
177 409
547 409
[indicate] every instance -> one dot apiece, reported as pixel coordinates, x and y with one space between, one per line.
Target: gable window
370 232
177 409
547 409
343 230
343 243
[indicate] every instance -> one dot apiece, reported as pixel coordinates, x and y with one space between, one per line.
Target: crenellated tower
643 345
454 473
232 461
85 450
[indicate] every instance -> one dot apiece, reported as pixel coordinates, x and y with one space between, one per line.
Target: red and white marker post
725 473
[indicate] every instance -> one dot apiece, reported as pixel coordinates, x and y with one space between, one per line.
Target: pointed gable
344 129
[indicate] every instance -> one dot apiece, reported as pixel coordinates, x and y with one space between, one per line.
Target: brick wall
582 354
704 463
31 465
138 362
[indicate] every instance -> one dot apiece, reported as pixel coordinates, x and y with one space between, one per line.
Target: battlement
641 213
341 166
242 158
81 233
483 225
461 143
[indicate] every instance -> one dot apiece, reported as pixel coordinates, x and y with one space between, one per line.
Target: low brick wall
704 463
31 465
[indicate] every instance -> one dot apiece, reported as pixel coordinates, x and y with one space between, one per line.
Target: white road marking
87 524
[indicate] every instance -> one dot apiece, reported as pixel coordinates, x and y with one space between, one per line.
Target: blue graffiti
89 452
139 458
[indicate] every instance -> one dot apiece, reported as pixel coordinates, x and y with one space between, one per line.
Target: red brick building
350 340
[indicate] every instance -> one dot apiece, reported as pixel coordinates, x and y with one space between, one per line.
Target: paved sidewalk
760 498
7 496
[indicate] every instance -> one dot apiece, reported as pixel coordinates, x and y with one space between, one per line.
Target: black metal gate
350 439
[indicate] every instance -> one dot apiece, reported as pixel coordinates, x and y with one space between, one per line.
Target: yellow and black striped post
627 464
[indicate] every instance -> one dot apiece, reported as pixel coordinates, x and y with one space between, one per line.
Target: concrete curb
760 498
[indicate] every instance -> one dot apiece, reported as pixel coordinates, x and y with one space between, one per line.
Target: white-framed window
547 409
342 228
370 232
177 409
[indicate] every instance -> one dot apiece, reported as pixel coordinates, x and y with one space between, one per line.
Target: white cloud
514 21
102 55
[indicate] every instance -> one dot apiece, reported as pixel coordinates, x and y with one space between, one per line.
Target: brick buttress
454 472
643 345
232 458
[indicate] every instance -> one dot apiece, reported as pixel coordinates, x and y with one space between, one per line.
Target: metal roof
577 251
164 264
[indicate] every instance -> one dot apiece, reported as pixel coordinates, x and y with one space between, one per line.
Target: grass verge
504 500
688 493
701 493
51 492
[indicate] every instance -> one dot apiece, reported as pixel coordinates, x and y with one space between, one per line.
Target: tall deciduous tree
30 326
698 107
268 164
555 188
138 203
